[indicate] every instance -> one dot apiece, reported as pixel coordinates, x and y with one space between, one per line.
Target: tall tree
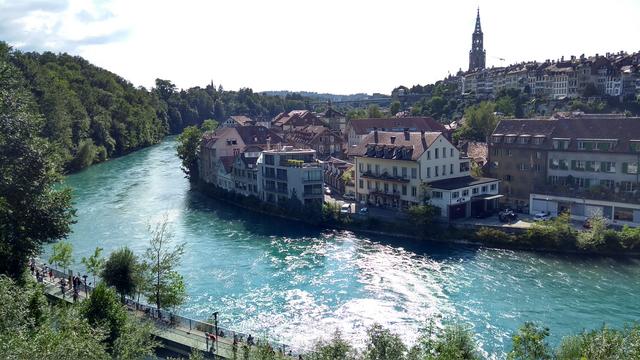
32 210
166 287
188 145
120 271
62 254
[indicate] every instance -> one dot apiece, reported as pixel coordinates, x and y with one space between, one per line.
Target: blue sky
338 46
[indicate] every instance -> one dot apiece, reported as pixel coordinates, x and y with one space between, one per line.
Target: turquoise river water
271 277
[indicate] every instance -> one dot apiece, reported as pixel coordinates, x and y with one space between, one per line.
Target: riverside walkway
177 334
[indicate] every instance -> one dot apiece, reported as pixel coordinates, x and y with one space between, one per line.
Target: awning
487 197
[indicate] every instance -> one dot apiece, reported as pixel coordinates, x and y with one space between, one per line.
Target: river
271 277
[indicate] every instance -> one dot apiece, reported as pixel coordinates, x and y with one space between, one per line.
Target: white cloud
334 46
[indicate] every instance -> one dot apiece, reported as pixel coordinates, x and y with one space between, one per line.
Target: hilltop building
477 54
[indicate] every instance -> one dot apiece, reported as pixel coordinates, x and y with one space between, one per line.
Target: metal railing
172 319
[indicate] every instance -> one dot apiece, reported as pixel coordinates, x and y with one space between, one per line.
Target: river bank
472 235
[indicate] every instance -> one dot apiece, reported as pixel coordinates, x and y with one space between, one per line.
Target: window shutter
573 164
625 166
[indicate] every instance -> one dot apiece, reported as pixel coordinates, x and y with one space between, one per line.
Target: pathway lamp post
84 277
215 327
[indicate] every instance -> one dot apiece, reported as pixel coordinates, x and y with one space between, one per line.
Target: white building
286 173
399 170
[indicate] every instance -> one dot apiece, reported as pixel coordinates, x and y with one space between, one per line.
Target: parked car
364 211
507 216
349 196
345 208
327 190
542 216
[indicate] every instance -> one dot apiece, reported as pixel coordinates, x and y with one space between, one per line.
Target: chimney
393 139
406 134
375 135
268 142
422 133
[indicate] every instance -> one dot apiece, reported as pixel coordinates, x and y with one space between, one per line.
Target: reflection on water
295 283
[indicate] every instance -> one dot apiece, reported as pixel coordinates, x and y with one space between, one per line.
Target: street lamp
215 327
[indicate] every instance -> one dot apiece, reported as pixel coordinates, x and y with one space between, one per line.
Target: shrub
488 235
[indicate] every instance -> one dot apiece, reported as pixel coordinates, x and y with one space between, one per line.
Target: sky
335 46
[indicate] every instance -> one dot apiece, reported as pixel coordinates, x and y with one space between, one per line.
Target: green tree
529 343
85 155
336 348
395 107
506 106
166 286
373 111
32 210
102 308
61 254
120 271
188 145
479 122
454 342
383 345
209 125
422 216
94 263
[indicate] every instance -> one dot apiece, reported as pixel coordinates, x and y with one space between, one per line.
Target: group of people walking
72 283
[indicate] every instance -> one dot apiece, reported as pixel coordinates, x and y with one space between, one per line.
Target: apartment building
583 164
398 170
357 129
287 173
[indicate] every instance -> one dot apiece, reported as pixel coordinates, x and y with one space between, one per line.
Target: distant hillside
325 96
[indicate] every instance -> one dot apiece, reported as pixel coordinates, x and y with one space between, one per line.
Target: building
584 164
244 173
239 120
334 175
289 121
335 119
593 170
398 170
477 54
287 174
357 129
220 147
326 142
518 156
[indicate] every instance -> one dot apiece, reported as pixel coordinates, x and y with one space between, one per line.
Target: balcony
388 193
384 176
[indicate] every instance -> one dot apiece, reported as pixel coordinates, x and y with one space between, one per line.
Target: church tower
477 54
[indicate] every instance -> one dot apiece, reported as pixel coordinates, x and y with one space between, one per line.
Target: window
484 189
436 154
377 169
451 152
523 140
630 168
268 159
465 192
444 152
538 140
414 173
361 167
368 184
436 171
404 172
496 152
428 172
369 168
623 214
510 139
361 183
451 169
474 190
579 165
386 187
404 189
436 194
522 167
538 155
395 188
444 170
455 195
581 182
554 163
537 168
428 154
395 171
609 184
414 191
496 139
509 153
506 178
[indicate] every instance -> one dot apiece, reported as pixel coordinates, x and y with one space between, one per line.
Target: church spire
477 54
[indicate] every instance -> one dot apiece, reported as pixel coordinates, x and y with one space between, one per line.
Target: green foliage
85 155
596 234
602 344
374 112
529 343
94 263
120 271
209 125
356 114
33 211
62 253
383 345
422 216
395 107
30 329
487 235
336 348
480 121
188 145
166 286
103 309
